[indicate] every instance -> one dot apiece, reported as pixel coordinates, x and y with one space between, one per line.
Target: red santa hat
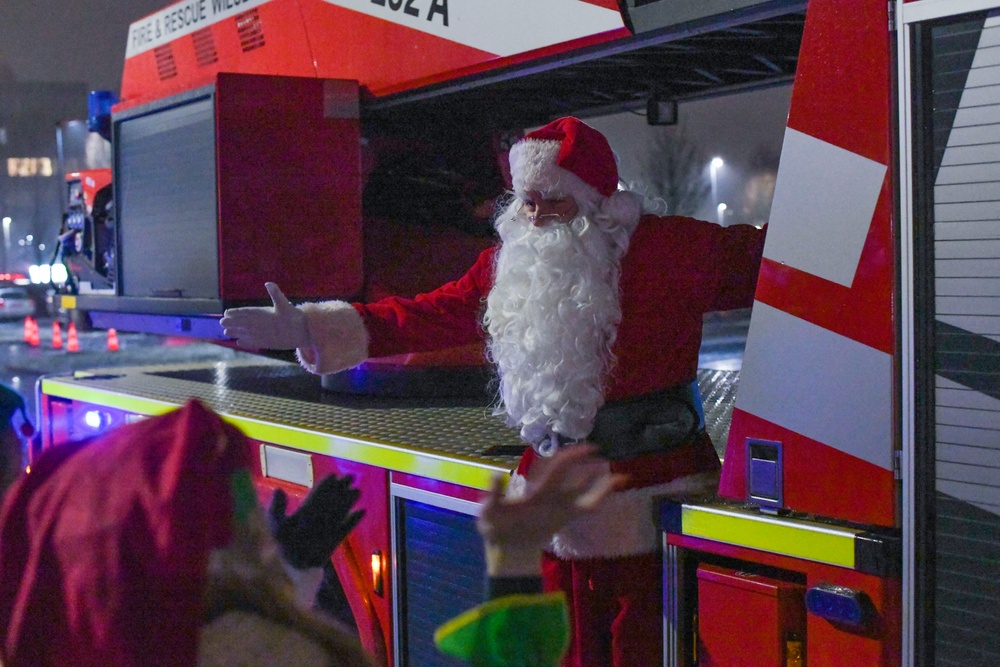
570 157
104 546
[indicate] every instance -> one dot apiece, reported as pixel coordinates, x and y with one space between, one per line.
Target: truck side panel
818 374
387 46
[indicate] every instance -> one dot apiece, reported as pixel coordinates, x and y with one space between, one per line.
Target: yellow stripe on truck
787 537
414 461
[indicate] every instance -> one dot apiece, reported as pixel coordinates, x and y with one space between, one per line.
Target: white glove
280 327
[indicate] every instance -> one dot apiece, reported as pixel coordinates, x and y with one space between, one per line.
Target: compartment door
951 284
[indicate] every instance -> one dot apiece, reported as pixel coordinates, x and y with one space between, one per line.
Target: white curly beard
552 318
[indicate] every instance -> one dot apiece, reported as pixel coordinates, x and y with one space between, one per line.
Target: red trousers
615 609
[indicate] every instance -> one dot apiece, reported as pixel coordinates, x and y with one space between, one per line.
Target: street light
6 242
713 169
720 213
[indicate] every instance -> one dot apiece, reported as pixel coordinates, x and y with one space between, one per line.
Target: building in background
40 141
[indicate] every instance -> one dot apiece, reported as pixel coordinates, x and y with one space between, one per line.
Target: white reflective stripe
823 204
286 465
926 10
182 18
967 422
819 384
500 27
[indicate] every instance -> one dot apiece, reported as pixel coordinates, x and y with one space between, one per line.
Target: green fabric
244 496
511 631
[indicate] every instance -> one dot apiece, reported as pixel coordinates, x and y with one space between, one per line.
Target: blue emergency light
838 604
99 103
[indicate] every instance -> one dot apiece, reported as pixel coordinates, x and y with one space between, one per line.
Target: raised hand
279 327
515 530
309 536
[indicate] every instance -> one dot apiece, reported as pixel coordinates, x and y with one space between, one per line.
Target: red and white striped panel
501 28
386 45
818 369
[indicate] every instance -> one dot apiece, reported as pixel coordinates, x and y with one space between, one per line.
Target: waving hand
279 327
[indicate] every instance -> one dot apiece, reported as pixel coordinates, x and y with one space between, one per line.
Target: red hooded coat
104 546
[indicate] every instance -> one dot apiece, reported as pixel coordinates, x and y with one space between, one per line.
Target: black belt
654 422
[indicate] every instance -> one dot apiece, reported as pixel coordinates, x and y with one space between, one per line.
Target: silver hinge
897 464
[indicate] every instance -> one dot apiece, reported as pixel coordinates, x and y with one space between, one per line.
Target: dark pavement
24 364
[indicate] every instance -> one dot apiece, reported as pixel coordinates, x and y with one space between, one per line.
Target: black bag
654 422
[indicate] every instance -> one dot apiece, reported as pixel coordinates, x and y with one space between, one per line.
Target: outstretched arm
330 336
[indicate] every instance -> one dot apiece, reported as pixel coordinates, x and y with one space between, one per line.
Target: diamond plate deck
280 403
718 394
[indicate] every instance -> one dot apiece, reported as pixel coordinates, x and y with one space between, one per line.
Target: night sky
68 40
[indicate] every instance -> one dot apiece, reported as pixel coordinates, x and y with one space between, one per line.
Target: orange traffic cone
35 340
56 336
112 340
72 344
28 321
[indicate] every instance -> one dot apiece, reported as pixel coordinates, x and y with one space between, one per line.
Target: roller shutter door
960 306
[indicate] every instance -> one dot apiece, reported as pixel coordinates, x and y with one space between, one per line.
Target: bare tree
674 171
758 190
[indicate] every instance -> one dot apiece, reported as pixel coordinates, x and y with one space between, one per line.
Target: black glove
309 536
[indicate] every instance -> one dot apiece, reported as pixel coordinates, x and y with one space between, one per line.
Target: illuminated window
29 166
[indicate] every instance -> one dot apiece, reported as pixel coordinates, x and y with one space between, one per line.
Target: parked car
16 302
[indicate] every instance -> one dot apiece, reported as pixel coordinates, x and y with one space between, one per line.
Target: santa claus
592 314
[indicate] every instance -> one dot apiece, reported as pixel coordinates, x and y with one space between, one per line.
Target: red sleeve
739 250
689 265
449 316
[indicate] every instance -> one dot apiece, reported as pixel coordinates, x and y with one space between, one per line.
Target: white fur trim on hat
339 337
533 167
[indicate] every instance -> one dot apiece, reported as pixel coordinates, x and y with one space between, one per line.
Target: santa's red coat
676 270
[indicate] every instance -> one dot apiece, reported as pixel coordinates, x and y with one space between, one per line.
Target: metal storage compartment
749 620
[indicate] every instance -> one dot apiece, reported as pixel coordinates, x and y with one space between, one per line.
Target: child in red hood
146 546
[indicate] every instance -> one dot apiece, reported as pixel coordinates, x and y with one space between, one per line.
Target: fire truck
86 234
858 515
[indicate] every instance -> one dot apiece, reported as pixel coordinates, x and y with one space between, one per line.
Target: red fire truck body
388 46
857 519
85 234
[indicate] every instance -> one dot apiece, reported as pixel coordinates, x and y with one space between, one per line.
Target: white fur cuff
626 523
623 525
339 337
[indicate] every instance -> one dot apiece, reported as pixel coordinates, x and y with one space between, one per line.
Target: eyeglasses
550 208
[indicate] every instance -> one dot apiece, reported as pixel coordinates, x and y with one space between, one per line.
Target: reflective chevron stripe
817 373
